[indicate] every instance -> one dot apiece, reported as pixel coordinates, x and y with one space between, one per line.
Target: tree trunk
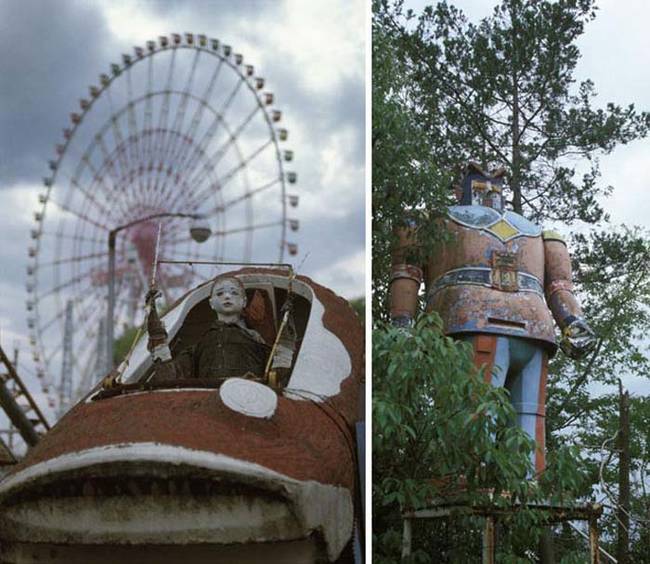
623 545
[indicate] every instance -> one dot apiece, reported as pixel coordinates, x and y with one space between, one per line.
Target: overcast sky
312 55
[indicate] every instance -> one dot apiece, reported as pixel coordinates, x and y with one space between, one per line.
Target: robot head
479 188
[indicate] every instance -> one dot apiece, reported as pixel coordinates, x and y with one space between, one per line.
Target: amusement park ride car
204 466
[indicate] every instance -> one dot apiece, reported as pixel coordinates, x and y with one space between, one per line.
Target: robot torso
488 277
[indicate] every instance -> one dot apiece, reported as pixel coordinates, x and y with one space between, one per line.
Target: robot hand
577 339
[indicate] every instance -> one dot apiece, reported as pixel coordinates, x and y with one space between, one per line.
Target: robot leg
491 351
528 394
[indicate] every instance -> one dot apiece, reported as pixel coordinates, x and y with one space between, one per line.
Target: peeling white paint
310 506
323 362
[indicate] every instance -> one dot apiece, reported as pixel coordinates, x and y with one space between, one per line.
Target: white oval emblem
249 398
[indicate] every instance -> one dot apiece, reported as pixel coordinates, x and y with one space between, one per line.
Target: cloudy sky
312 55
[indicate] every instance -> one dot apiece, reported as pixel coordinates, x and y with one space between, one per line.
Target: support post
489 541
594 551
407 537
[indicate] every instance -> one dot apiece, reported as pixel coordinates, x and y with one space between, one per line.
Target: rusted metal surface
404 298
475 309
6 456
491 275
301 440
449 507
469 246
558 282
497 304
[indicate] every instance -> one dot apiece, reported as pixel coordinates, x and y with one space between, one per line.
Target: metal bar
556 514
21 386
229 263
13 410
110 329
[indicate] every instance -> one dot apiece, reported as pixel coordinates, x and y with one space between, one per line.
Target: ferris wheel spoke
66 284
246 196
185 96
71 237
187 165
132 121
117 132
206 171
87 193
223 181
79 215
72 259
202 104
108 164
219 116
232 140
85 161
164 112
148 105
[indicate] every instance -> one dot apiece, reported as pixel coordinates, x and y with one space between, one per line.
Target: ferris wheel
183 127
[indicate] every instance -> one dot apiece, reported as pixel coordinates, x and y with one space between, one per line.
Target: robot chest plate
505 227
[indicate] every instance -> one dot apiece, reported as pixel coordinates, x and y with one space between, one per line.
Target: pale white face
227 298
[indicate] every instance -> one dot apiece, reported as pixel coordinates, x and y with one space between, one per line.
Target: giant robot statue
493 282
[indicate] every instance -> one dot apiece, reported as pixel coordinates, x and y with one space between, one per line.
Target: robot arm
405 279
577 337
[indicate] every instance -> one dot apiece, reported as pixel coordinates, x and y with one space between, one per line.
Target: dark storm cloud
50 56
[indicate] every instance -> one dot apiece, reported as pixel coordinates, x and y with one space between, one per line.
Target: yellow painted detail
503 230
552 235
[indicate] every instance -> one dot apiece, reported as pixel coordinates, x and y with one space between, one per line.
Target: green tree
439 429
503 91
404 169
